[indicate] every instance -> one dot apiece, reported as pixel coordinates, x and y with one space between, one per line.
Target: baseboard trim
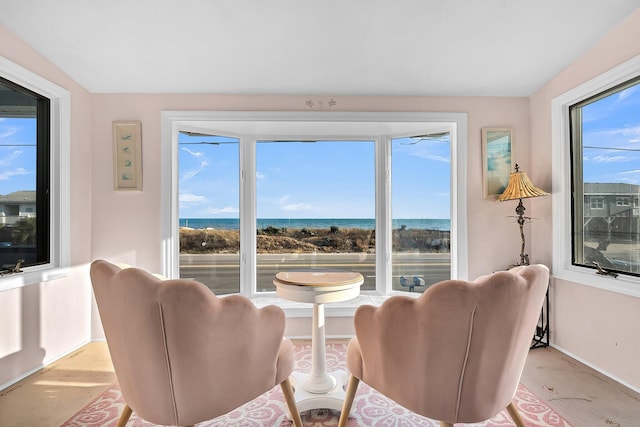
44 364
595 368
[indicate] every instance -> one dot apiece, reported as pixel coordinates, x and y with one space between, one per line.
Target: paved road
220 272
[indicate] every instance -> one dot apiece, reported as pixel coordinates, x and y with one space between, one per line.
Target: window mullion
383 216
248 241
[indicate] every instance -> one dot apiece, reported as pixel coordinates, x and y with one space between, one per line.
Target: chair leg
287 391
352 387
445 424
515 414
124 417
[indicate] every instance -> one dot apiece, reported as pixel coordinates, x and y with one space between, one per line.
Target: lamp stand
520 218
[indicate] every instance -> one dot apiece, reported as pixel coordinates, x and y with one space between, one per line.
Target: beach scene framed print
497 159
127 159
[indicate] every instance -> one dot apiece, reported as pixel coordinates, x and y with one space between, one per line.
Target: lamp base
524 260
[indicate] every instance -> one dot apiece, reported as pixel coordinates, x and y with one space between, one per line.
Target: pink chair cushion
456 353
181 354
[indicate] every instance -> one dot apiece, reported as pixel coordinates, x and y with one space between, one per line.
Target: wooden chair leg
445 424
287 391
515 414
352 387
124 417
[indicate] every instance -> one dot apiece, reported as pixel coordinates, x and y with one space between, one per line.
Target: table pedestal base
332 399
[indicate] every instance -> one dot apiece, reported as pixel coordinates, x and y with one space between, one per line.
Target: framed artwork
127 155
497 159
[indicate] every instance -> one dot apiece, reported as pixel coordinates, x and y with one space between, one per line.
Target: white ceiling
313 47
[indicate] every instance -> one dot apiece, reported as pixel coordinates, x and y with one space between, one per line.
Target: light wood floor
583 396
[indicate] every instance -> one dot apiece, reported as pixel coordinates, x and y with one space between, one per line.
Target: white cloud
193 153
192 173
9 159
608 137
8 174
7 132
260 175
437 158
601 158
425 153
296 207
289 207
630 177
626 93
226 209
190 198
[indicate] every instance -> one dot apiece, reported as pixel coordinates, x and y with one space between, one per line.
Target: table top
319 278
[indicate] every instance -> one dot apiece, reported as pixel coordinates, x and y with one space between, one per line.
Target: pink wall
38 323
597 326
126 226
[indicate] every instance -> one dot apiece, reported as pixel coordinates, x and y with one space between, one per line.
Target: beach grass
310 240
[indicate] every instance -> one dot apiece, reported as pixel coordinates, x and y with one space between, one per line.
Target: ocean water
364 223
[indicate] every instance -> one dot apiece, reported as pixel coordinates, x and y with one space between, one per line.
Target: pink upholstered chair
454 354
182 355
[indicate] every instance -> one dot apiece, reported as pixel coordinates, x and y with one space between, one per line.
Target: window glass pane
420 200
209 195
606 172
18 178
315 208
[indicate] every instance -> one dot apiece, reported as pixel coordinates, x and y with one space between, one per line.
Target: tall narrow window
24 177
605 133
315 207
209 212
421 200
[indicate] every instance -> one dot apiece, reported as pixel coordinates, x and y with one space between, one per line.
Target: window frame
43 138
254 126
622 201
596 202
562 182
59 200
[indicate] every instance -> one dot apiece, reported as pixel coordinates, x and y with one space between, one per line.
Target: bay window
246 195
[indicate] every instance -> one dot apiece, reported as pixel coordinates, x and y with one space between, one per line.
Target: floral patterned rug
370 408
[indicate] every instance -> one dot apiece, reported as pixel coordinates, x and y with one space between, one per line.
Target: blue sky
323 179
613 125
17 155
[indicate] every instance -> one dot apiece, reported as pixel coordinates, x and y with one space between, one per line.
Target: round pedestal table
319 389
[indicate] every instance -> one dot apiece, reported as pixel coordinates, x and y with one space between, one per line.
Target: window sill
31 276
626 285
337 309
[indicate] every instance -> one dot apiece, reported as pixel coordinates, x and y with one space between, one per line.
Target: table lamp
520 187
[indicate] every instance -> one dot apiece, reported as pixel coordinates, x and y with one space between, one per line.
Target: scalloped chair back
181 354
454 354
